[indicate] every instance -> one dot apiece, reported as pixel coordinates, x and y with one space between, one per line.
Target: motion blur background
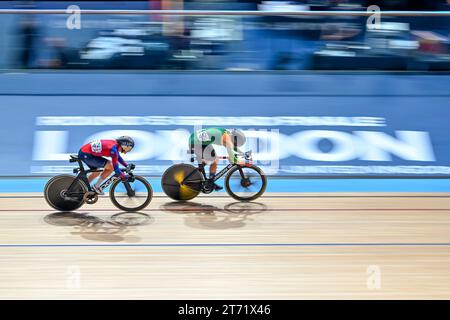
348 116
316 94
217 42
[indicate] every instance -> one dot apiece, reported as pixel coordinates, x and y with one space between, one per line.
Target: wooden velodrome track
284 246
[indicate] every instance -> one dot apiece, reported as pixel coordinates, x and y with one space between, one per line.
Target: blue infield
282 185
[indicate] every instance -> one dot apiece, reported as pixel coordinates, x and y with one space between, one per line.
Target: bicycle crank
90 197
208 187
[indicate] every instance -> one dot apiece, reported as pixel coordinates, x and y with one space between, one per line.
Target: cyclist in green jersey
202 144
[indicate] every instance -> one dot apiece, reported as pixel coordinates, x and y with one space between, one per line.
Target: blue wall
298 124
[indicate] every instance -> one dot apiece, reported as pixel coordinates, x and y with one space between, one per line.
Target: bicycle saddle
73 158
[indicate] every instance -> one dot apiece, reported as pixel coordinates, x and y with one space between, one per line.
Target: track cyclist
202 144
93 153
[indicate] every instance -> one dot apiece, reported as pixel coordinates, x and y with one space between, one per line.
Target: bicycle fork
245 181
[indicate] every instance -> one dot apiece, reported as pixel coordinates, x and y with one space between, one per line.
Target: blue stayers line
283 185
227 245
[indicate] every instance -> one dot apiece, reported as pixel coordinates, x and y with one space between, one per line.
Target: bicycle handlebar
129 168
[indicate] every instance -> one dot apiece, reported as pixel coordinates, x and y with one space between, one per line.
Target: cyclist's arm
115 161
121 161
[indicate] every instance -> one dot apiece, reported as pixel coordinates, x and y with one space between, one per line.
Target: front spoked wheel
131 196
245 183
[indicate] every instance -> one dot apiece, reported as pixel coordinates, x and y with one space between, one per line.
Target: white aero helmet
238 137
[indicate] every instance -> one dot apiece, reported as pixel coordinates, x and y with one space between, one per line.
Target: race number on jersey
203 135
96 146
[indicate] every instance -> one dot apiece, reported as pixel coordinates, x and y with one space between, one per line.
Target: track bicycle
67 193
242 182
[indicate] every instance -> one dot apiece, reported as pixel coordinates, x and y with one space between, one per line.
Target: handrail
231 12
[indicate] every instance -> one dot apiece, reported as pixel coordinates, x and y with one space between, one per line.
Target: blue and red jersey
105 148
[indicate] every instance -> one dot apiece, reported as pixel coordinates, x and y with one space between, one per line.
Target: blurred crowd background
277 42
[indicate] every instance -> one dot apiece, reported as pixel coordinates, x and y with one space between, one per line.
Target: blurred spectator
63 56
282 6
405 4
276 42
28 34
431 42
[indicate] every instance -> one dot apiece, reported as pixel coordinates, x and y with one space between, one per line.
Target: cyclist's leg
93 163
107 170
214 161
91 176
199 153
207 155
213 168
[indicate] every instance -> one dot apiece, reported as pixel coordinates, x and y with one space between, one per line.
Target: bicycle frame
82 175
201 168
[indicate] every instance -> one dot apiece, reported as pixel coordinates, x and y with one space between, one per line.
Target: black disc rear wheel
58 197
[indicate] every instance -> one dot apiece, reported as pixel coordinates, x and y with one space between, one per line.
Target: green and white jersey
207 136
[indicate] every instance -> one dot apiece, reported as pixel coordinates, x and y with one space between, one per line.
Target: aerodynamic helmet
238 137
126 142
